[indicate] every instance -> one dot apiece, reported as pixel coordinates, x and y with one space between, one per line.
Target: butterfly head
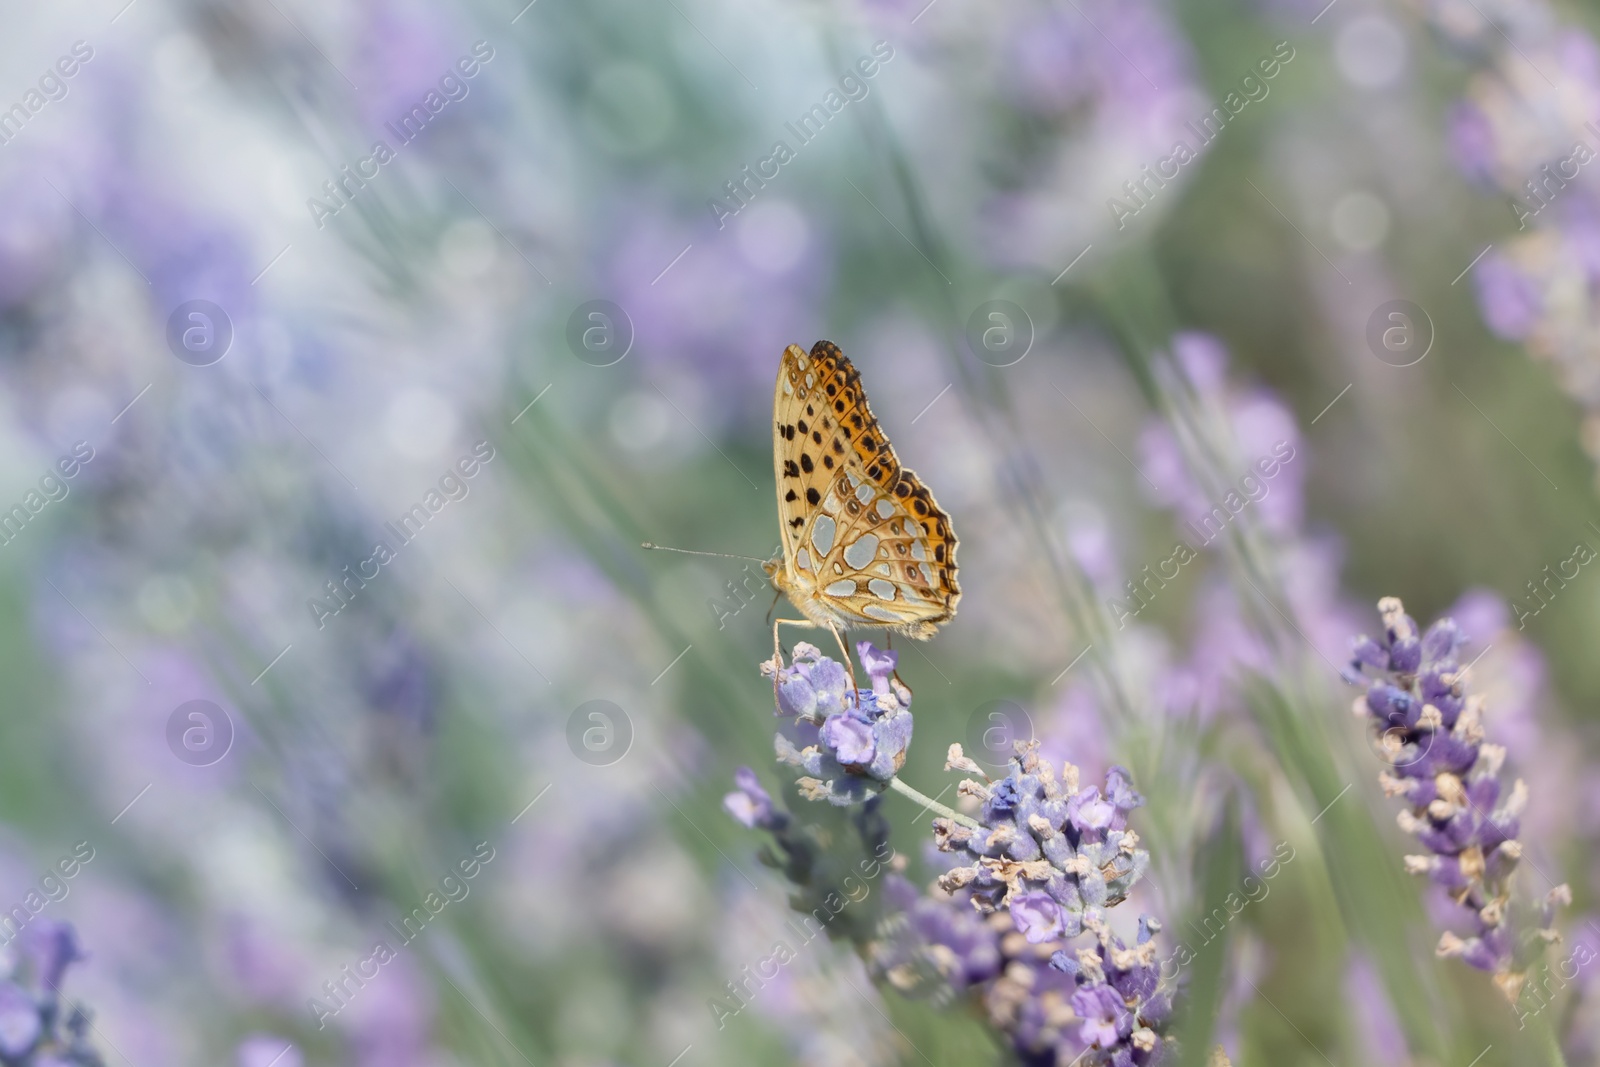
773 569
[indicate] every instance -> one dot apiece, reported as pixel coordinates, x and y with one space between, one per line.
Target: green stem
1553 1046
929 804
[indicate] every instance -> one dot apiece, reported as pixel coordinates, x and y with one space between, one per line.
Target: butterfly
864 544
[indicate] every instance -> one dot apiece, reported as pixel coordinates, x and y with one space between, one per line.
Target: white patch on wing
843 587
919 551
859 554
873 611
881 588
864 492
885 508
822 529
885 570
802 560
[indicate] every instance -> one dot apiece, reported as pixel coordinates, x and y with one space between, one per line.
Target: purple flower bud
1120 791
1036 915
1368 653
1394 706
849 739
1004 797
20 1026
1405 655
750 804
1442 640
1510 300
1105 1017
1093 813
796 697
50 947
830 681
880 665
891 737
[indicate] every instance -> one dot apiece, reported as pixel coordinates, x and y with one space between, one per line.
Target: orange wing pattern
864 542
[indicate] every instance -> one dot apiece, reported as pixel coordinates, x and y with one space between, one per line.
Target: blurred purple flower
1509 298
49 947
750 804
268 1050
699 303
1382 1038
1203 359
1105 1017
1472 142
403 52
19 1022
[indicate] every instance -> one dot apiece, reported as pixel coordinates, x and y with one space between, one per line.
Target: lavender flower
1431 732
1047 860
751 805
831 885
1528 139
1095 1004
860 738
1053 854
34 1031
939 945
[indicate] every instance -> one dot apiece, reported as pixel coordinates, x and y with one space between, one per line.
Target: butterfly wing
865 543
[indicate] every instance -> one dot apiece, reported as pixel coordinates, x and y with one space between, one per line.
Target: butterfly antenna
691 552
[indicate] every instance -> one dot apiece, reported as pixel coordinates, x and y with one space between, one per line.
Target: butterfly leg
777 659
848 668
889 643
777 651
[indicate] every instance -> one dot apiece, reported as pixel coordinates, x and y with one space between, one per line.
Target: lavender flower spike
1046 862
1054 854
1432 735
861 736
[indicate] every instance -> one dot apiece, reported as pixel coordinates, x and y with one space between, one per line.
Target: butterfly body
864 544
